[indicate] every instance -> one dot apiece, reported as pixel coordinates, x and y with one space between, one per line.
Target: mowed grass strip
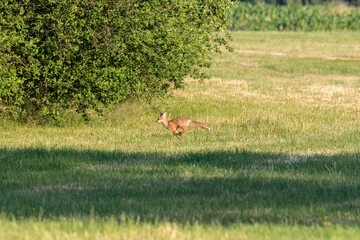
281 157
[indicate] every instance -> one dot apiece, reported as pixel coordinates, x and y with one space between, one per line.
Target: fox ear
161 114
164 114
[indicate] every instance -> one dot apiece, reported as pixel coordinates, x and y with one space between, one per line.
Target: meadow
281 160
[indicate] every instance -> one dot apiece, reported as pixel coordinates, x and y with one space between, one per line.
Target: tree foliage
85 55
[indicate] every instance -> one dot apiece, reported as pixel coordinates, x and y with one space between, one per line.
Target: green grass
281 160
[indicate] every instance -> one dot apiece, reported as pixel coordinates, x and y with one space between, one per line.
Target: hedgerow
85 55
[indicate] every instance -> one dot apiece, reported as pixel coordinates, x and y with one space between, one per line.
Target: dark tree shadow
220 186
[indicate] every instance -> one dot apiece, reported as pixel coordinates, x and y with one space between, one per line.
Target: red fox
179 122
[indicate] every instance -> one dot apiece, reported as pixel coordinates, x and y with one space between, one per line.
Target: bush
85 55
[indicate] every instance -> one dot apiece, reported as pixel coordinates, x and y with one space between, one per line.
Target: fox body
180 122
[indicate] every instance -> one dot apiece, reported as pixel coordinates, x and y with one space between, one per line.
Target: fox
180 122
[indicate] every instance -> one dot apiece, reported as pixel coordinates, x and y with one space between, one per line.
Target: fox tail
199 124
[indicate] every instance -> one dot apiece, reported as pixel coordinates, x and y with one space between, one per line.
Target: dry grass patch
298 54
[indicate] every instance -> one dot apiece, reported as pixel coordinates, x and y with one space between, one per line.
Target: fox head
161 118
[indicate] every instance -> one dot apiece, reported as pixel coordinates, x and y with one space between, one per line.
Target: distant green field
281 161
294 17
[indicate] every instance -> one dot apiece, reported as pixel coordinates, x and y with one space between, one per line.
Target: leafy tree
86 55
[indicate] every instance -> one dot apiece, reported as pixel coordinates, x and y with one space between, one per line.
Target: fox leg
173 130
176 133
185 129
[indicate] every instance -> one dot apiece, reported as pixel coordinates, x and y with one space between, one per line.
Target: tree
86 55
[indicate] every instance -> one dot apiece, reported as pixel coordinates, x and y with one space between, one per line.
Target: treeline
303 2
262 16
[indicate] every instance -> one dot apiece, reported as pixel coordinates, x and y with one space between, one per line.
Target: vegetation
259 17
281 159
303 2
83 56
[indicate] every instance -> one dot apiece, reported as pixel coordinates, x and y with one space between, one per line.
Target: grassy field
281 160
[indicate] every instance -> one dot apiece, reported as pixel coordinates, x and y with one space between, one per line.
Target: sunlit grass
111 229
281 160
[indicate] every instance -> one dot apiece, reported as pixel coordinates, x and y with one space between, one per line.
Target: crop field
281 161
265 17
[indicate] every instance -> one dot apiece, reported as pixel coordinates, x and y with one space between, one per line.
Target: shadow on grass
223 186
